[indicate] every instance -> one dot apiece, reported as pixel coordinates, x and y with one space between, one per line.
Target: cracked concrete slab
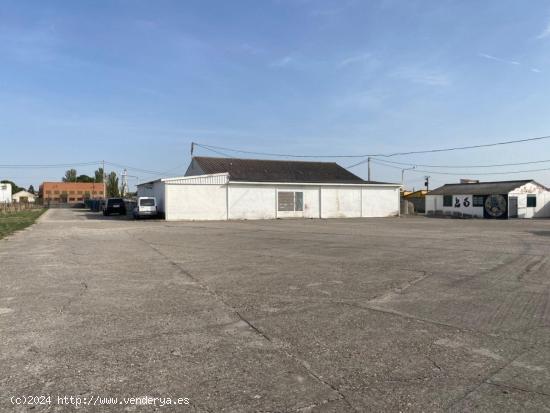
406 314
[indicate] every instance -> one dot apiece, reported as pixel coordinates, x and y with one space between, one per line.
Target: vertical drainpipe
227 198
361 201
399 201
275 189
320 203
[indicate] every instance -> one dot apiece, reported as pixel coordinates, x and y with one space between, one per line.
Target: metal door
513 206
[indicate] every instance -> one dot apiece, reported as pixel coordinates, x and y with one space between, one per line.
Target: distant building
23 196
417 198
5 193
228 188
497 200
70 192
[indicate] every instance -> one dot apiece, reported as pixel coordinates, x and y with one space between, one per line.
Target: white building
5 193
500 200
224 188
23 196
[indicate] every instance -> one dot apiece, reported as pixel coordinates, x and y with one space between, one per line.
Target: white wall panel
311 202
251 201
380 201
195 202
340 202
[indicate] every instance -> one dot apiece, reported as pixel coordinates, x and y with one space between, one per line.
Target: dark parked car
114 206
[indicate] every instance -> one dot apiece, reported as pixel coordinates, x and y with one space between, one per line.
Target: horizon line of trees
111 183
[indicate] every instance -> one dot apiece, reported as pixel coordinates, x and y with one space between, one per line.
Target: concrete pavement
407 314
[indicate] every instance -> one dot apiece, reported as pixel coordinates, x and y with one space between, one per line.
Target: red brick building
70 192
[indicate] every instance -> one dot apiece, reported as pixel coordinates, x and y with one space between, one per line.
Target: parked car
114 206
146 207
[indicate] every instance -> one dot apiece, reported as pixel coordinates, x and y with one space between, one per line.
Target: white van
146 207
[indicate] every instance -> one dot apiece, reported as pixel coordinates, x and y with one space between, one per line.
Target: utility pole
124 182
427 183
104 185
368 163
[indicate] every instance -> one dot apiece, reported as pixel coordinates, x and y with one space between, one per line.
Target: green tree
99 175
70 175
31 189
112 185
84 178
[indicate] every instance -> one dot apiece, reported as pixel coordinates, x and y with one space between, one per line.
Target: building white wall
380 201
340 202
5 193
208 199
251 202
195 202
465 202
23 194
311 202
542 210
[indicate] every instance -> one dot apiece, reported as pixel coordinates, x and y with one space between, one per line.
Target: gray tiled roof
481 188
258 170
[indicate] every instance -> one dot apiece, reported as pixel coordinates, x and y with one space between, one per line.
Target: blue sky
134 82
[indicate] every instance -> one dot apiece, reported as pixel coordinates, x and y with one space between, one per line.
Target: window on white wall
531 201
447 200
290 201
298 201
478 201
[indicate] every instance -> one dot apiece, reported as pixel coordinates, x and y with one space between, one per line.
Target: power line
146 171
463 166
382 155
459 174
46 166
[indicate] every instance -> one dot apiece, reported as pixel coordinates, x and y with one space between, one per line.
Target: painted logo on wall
462 202
495 206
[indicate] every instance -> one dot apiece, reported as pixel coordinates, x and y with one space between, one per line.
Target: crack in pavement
84 288
508 386
487 378
301 362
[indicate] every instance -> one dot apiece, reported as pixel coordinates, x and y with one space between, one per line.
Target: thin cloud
545 33
508 62
355 59
498 59
283 62
428 78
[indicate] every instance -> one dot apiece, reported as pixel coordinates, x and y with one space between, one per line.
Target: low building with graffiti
493 200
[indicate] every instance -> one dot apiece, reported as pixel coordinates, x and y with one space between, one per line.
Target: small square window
531 201
285 201
478 201
447 200
290 201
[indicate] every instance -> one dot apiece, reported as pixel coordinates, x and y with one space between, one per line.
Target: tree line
112 188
